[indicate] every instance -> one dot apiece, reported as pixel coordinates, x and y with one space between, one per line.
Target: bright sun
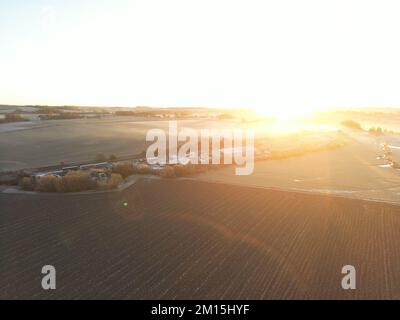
285 113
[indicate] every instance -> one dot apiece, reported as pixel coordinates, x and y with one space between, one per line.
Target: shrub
12 117
49 184
352 124
225 116
27 184
75 181
184 170
201 168
112 157
113 182
376 131
143 169
124 169
167 172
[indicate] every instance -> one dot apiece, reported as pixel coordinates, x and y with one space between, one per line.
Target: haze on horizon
282 57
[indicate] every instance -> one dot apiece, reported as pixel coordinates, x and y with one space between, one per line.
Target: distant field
198 240
352 170
40 143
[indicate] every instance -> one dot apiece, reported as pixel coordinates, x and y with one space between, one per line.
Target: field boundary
295 190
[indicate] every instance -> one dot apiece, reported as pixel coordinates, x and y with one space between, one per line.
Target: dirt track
185 239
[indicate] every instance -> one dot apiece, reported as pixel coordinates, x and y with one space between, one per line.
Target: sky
283 56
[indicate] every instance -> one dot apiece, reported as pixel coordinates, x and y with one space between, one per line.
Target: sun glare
283 114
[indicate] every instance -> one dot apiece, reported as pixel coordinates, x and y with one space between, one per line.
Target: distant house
38 176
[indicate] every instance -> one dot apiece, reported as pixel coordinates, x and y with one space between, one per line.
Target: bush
115 180
27 184
376 131
75 181
352 124
125 169
49 184
167 172
12 117
184 170
112 183
112 157
225 116
201 168
143 169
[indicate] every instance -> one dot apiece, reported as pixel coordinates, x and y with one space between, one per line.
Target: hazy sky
279 56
